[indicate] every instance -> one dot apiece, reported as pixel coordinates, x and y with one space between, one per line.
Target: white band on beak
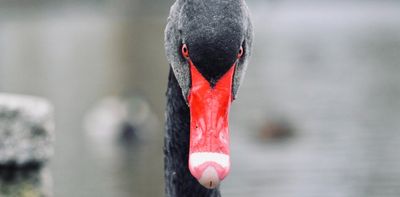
196 159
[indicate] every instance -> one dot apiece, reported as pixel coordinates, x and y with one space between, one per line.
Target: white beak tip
209 178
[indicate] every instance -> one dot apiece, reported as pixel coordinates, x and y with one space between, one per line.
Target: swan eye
185 51
241 52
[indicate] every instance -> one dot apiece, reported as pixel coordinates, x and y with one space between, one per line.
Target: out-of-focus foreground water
329 69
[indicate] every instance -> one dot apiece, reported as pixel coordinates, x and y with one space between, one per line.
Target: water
337 82
329 69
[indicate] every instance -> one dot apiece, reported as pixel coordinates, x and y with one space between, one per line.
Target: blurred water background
327 71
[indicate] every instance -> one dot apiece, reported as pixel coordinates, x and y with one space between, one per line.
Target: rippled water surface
329 70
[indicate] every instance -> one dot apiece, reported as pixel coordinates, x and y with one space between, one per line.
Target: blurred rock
26 129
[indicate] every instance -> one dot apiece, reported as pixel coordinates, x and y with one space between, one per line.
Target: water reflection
335 82
330 70
30 180
121 133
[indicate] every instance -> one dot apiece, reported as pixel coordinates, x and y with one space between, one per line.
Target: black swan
208 44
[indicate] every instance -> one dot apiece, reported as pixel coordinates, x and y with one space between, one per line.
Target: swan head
208 44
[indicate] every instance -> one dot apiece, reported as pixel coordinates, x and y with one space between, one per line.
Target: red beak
209 159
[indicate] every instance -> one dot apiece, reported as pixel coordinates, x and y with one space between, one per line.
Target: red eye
241 51
185 51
